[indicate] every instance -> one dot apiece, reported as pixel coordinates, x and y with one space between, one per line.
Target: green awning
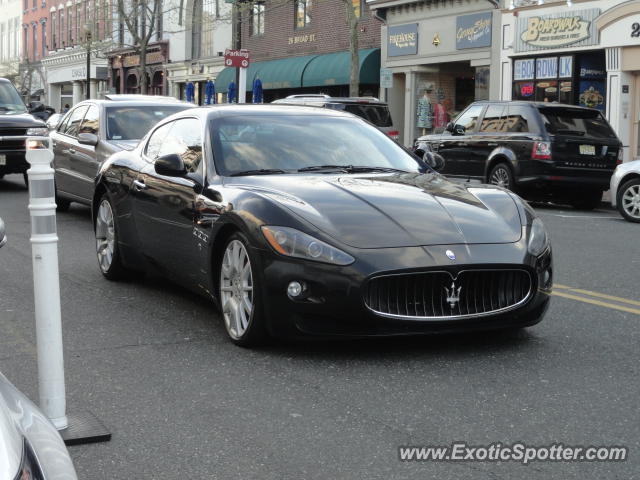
306 71
335 69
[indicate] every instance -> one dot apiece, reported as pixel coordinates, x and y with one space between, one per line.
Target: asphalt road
152 362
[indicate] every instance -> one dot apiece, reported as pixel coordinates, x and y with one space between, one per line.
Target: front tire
502 176
107 249
628 200
239 293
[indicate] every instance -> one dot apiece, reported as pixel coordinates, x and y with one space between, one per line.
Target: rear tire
502 176
107 249
628 200
239 293
588 200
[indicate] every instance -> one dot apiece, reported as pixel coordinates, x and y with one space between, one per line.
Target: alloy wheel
105 235
236 289
500 177
631 201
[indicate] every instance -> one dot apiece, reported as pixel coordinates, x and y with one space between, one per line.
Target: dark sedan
93 130
308 221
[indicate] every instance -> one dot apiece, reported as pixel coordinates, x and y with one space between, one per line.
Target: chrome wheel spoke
105 236
236 288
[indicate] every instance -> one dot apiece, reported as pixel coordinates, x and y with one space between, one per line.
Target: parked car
297 231
30 446
93 130
54 120
541 150
16 123
625 190
369 108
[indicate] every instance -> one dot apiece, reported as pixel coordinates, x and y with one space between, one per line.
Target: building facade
303 47
204 33
441 54
586 53
10 38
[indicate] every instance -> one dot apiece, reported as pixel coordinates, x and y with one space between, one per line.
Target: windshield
377 114
573 121
133 122
286 144
10 101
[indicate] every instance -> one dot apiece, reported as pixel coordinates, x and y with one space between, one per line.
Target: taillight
620 156
395 135
541 151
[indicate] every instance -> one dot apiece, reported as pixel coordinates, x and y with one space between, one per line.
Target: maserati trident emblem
453 295
450 254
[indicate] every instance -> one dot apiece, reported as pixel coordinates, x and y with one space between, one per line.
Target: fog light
295 289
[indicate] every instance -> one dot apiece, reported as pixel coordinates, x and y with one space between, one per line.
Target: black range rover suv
540 150
15 125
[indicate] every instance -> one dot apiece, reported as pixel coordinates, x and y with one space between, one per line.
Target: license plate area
587 150
3 159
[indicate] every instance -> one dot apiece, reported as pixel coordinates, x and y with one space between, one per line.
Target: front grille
433 295
9 143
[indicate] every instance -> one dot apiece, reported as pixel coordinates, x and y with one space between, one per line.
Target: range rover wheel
587 200
502 176
628 200
107 241
239 293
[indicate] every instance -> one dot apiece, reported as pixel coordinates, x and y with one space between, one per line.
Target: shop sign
547 67
526 89
386 78
524 69
576 28
236 58
473 31
566 67
79 73
402 40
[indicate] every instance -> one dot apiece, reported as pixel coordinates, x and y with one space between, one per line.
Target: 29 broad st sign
575 28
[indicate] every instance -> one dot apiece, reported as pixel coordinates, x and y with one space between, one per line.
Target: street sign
386 78
236 58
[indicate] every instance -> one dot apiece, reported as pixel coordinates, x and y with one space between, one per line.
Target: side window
185 139
520 119
63 123
493 120
91 121
152 150
469 118
73 123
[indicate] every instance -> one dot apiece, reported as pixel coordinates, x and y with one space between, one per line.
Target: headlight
29 468
37 132
538 238
293 243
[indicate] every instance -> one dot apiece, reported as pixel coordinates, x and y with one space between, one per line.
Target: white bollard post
242 87
46 282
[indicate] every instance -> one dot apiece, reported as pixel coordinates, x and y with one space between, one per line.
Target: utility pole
237 40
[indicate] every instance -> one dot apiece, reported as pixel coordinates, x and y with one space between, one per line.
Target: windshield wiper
261 171
349 168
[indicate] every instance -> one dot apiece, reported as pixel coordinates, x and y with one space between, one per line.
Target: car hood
123 144
19 120
394 210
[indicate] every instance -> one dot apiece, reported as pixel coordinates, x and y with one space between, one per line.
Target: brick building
35 15
302 46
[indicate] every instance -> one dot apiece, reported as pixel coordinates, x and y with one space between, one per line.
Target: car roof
269 109
531 104
132 103
321 98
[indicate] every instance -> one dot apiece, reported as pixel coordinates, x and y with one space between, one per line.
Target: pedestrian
66 108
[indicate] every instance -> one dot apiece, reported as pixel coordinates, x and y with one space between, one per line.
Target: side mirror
88 139
170 165
449 127
434 160
3 237
35 107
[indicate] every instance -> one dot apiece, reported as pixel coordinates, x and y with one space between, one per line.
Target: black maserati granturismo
310 222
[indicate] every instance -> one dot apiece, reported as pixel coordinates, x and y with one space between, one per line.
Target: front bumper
335 304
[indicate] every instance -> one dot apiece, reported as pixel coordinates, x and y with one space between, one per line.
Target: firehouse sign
575 28
236 58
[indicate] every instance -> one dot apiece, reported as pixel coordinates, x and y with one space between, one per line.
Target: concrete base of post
84 427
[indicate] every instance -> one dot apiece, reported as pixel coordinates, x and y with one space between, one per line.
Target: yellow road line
597 302
599 295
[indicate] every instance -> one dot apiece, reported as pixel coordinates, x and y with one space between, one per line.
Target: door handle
139 185
72 151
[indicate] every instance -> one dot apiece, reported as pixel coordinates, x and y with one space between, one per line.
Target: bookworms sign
575 28
402 40
473 31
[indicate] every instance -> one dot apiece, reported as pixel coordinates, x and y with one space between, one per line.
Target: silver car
95 129
625 190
